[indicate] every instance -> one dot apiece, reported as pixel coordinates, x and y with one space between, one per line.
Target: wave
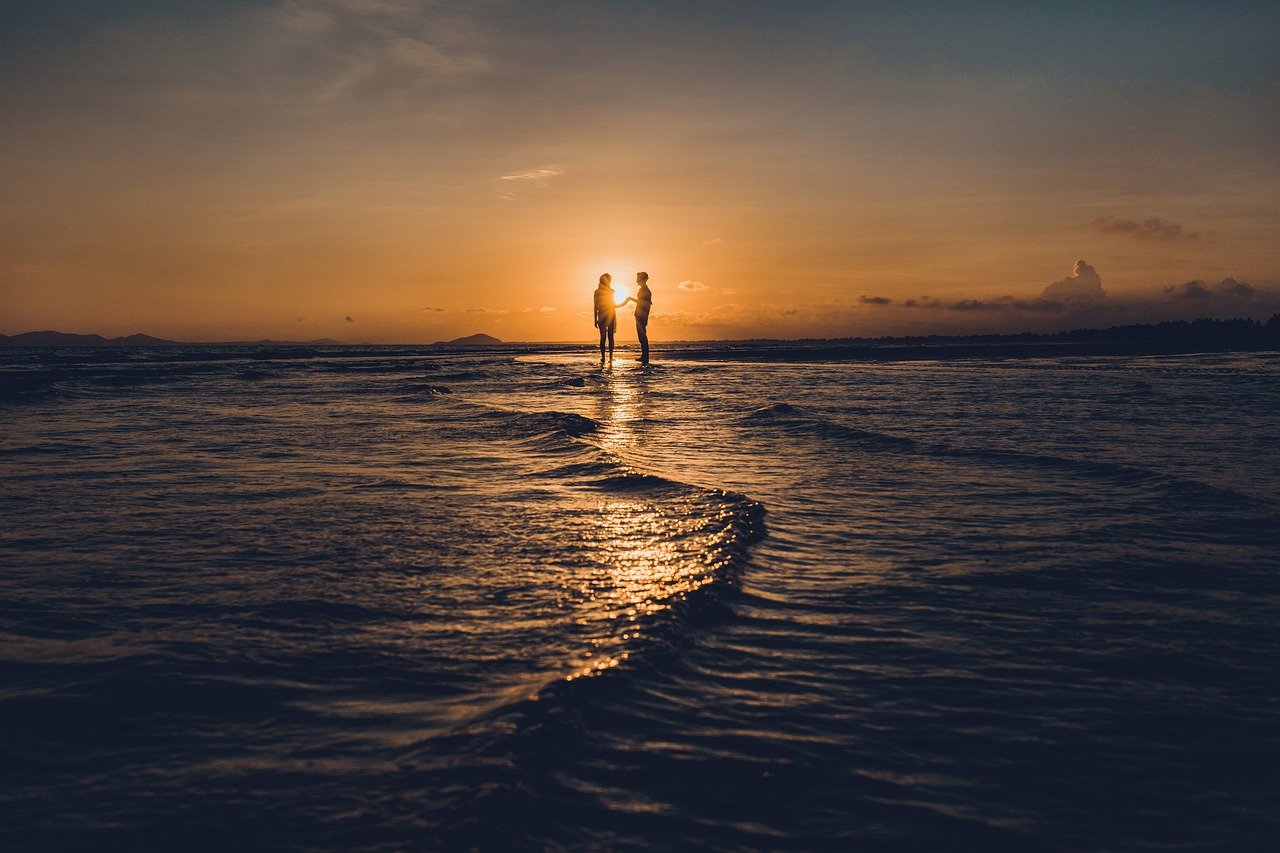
95 377
29 387
1106 471
533 424
627 481
467 375
725 522
798 420
424 390
371 365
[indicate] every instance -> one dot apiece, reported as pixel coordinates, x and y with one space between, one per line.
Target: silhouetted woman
644 301
606 314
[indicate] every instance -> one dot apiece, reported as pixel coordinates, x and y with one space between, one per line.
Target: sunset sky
385 171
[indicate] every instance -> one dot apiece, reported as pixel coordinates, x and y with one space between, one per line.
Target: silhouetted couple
606 313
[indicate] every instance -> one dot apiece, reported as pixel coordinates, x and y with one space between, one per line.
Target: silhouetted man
605 313
644 301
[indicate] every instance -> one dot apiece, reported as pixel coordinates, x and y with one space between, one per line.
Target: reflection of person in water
606 314
644 301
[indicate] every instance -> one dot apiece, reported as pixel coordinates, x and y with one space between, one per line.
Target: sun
623 287
622 268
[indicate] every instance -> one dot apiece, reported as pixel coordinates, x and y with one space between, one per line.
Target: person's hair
643 276
606 278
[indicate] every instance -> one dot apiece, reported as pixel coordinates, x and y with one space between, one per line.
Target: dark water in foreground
390 598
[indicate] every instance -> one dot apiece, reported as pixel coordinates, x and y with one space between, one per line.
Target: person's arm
595 314
625 301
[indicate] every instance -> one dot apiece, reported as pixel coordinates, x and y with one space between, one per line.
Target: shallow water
387 597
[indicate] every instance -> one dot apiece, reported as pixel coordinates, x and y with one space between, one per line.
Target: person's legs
602 336
612 327
642 332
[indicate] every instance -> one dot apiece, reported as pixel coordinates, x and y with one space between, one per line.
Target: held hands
625 301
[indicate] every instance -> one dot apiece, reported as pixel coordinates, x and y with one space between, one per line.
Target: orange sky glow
390 172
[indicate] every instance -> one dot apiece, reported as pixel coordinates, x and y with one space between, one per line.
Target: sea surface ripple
389 597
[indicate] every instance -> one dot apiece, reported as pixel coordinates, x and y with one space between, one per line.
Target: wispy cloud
712 241
528 178
363 44
691 285
875 300
1153 228
546 173
547 309
350 319
431 308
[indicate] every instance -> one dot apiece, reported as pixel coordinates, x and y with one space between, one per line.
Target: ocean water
391 598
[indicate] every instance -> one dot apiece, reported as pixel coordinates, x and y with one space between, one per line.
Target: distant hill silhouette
479 339
66 339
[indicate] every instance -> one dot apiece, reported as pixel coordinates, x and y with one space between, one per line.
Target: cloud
1184 301
528 178
1238 288
1154 228
350 319
691 285
489 311
413 53
1193 290
370 48
712 241
300 319
1005 304
929 314
1083 284
546 173
1198 291
547 309
431 308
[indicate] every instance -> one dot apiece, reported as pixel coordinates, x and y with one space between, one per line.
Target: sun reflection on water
653 545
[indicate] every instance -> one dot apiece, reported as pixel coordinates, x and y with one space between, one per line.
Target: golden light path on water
654 544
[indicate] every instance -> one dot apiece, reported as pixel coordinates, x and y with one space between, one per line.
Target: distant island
66 339
479 339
